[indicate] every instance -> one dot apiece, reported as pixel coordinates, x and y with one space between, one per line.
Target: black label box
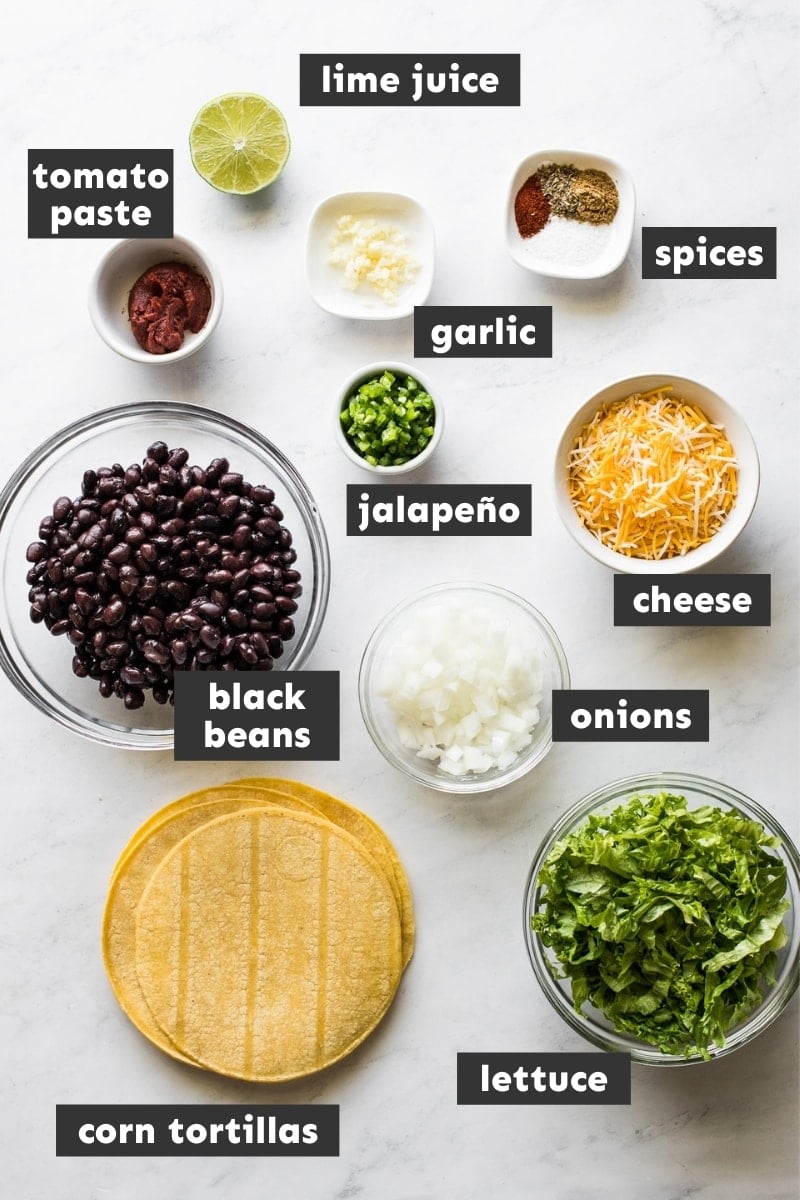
270 715
483 331
630 716
692 600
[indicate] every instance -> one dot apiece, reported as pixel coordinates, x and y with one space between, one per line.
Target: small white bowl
116 274
539 253
369 372
720 413
327 282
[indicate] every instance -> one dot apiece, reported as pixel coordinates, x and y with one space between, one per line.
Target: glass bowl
40 665
593 1024
521 618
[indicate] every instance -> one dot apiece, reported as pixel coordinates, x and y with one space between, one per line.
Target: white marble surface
697 99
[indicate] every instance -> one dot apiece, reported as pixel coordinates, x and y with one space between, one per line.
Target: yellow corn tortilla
363 828
236 789
131 875
265 790
268 944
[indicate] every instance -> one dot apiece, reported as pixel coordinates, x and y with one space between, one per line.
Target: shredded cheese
372 253
651 476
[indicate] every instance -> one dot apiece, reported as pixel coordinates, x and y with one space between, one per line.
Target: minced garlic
373 253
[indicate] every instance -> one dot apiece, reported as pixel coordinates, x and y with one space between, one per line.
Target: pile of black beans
164 566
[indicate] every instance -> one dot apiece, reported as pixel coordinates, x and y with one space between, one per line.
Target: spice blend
564 190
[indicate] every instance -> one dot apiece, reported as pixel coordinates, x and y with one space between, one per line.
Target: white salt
565 243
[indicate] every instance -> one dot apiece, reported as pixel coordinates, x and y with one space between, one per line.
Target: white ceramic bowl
327 282
369 372
602 248
718 411
116 274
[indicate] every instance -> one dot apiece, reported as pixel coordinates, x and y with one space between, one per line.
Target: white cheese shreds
374 254
651 476
464 686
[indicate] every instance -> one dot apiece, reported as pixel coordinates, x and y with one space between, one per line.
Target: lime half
239 143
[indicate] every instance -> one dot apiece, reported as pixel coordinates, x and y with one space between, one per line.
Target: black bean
85 601
132 676
211 612
219 578
180 651
236 618
231 481
155 652
207 521
177 591
210 636
260 643
217 467
191 620
108 489
119 554
114 612
118 522
264 612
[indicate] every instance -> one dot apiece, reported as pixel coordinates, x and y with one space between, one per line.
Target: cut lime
239 143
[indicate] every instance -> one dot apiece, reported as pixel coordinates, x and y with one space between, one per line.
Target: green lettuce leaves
666 919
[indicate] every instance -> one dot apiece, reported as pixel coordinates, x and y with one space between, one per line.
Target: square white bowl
533 254
327 282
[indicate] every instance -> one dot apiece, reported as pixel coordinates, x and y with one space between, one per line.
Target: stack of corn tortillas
258 929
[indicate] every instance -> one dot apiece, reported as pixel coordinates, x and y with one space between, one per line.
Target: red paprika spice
531 208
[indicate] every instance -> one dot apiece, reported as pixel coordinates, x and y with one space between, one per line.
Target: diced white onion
464 686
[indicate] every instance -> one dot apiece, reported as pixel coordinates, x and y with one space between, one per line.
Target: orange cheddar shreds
651 476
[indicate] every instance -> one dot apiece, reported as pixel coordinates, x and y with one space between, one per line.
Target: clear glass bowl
380 720
592 1023
40 665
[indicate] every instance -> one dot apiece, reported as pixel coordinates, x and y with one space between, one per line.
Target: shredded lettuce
388 420
666 919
